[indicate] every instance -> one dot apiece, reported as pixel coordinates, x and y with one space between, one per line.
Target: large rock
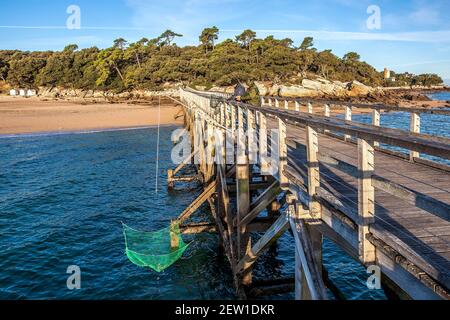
357 89
297 92
326 87
263 87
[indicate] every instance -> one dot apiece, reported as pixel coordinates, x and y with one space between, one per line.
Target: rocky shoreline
320 88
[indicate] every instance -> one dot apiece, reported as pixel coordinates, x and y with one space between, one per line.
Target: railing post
348 117
282 152
252 146
414 127
210 151
262 101
327 114
297 106
233 119
229 136
243 196
310 107
326 110
219 146
286 104
376 122
222 113
312 150
366 199
270 102
277 103
263 144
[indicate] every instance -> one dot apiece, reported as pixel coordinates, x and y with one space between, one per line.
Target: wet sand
33 115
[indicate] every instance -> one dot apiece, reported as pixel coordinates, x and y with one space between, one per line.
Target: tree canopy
151 63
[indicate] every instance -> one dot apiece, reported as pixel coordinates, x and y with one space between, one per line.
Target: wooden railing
230 116
376 112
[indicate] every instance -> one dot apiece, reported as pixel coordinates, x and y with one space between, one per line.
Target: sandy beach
33 115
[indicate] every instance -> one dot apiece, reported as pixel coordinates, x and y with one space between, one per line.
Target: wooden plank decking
417 234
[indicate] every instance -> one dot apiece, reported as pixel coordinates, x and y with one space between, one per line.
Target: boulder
297 92
356 89
263 87
312 84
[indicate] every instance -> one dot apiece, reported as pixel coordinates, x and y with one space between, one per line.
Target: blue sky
414 34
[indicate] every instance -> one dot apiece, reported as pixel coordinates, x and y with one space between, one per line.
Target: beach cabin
13 92
22 93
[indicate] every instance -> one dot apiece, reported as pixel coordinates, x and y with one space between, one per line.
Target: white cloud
419 36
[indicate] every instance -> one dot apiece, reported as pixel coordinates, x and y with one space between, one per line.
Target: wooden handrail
377 106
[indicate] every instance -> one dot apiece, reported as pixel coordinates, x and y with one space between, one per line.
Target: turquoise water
62 201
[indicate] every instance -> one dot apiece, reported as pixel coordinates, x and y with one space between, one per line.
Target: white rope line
157 146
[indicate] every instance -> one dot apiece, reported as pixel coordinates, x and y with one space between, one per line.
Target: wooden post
310 107
327 110
262 101
301 290
327 114
263 144
227 116
376 122
286 104
348 117
243 197
297 106
366 199
220 149
223 112
210 152
282 152
174 239
233 119
251 135
414 128
277 103
312 150
270 102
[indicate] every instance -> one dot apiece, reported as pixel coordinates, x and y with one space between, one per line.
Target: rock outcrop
53 93
318 87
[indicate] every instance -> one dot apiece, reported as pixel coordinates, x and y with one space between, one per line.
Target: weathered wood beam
366 199
196 228
282 152
274 232
263 144
410 267
414 127
312 150
261 203
204 196
305 254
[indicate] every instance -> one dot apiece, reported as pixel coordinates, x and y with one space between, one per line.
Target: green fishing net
153 249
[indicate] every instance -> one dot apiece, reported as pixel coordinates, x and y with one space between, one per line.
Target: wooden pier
325 177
